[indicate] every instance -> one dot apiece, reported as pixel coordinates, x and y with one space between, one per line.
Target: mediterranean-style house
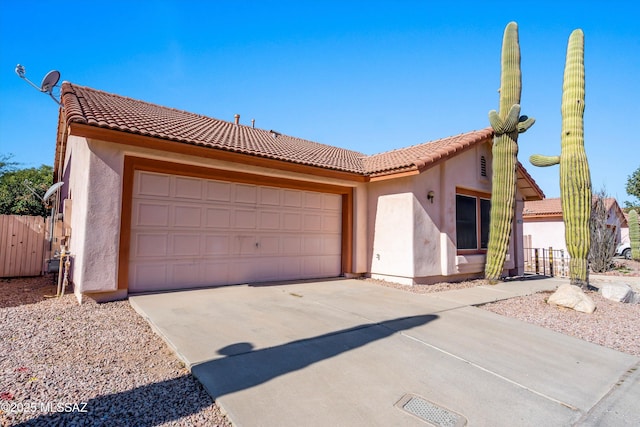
544 226
159 199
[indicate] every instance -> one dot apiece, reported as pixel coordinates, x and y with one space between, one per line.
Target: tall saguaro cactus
506 126
575 178
634 234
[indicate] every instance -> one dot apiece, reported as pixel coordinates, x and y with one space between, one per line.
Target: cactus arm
544 161
507 125
524 125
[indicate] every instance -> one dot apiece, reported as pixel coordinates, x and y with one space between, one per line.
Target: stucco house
156 198
544 226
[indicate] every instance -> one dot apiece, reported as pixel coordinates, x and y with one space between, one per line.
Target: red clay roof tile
97 108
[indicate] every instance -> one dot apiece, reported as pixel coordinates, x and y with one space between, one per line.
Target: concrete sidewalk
347 352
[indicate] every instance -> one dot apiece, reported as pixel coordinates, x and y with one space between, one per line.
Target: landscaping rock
619 292
573 297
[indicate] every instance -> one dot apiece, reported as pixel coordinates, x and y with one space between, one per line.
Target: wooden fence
22 245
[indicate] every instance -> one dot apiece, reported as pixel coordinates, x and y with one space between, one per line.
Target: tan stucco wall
398 234
98 165
413 239
95 191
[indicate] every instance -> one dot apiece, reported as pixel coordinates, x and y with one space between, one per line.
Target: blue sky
369 76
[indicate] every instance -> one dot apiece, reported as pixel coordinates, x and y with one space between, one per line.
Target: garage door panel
245 219
291 221
216 245
331 246
186 274
269 196
245 245
312 200
291 245
147 214
331 223
187 216
218 217
218 191
312 245
246 194
153 184
292 199
149 275
188 232
186 245
270 245
312 222
216 273
150 245
331 203
269 220
188 188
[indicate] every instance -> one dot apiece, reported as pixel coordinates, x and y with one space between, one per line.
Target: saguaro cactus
634 235
506 126
575 178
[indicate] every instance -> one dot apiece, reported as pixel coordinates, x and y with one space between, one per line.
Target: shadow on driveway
243 368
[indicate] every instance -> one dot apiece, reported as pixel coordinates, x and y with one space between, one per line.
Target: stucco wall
95 191
413 239
95 170
545 233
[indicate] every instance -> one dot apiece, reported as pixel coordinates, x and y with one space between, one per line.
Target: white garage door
188 232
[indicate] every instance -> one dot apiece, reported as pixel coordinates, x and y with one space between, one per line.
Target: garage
189 231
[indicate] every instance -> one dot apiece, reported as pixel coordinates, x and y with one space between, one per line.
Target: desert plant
603 241
575 178
634 235
506 126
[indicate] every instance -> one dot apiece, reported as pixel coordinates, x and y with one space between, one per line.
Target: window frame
478 196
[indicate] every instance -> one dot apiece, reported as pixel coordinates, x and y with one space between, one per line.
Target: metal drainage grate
431 413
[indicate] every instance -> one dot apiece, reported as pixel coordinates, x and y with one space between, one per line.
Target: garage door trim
133 164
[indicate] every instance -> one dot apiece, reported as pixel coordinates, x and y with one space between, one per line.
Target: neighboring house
156 198
544 226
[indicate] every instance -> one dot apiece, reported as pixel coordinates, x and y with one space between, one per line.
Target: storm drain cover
431 413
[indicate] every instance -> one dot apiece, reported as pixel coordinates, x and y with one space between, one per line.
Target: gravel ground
102 361
613 325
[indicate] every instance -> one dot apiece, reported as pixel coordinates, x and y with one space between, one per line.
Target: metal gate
546 262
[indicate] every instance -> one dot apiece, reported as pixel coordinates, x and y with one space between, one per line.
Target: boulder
573 297
620 292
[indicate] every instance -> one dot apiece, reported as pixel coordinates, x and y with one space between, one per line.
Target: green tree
633 188
15 197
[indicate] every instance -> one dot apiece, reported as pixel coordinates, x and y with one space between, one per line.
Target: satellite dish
53 188
49 81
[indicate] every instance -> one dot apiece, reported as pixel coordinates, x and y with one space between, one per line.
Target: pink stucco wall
95 170
413 239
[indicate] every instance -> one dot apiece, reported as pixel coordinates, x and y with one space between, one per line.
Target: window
472 222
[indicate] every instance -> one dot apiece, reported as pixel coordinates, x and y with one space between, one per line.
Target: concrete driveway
351 353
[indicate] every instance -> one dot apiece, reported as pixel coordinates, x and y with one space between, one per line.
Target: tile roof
105 110
424 155
544 207
96 108
553 207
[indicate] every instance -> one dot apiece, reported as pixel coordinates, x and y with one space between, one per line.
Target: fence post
562 273
550 261
537 260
